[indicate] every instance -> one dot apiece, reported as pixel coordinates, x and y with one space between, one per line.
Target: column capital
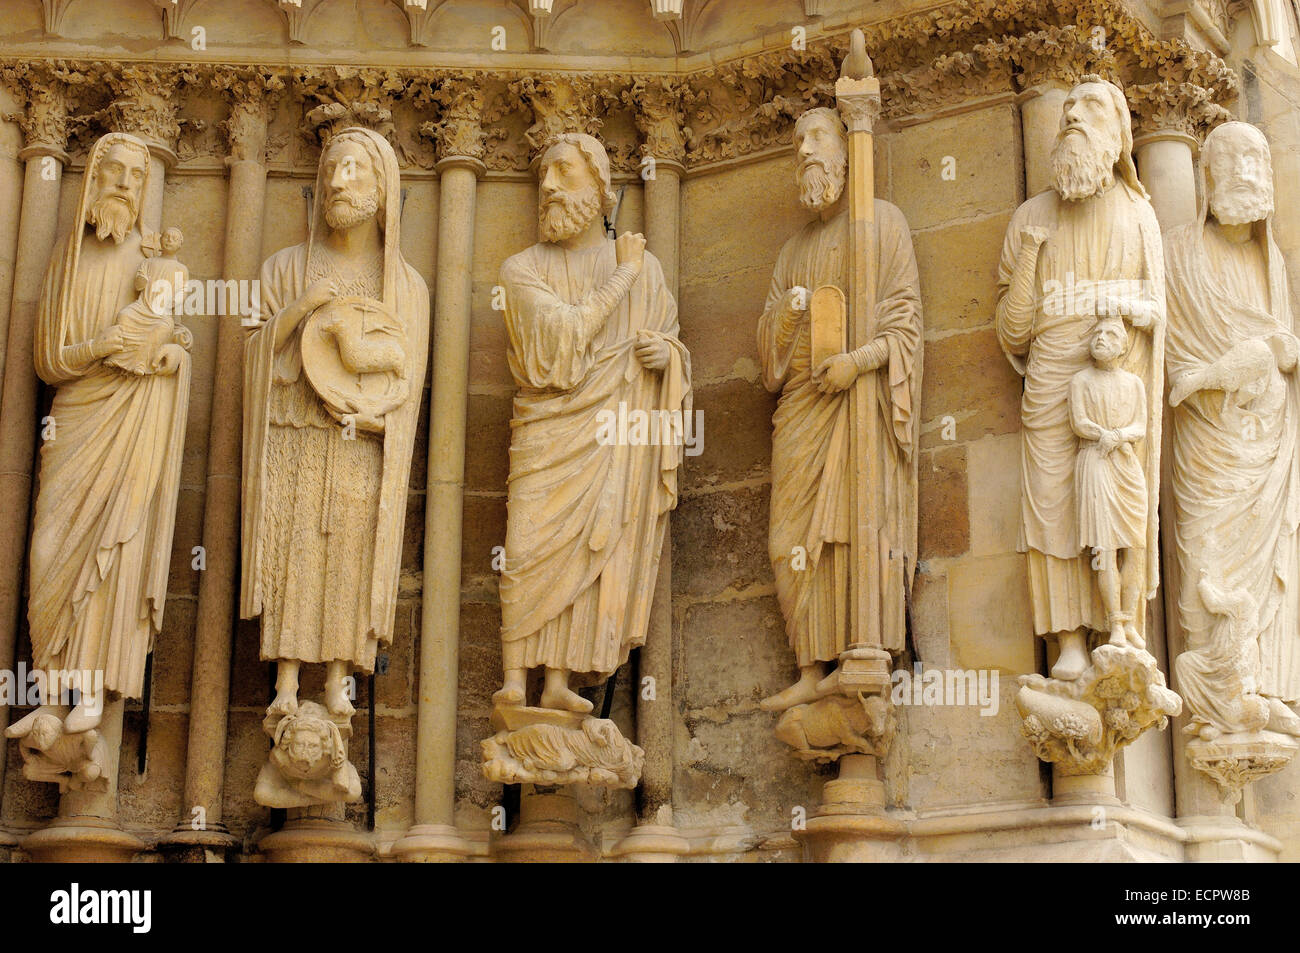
144 105
47 101
335 97
253 95
1058 56
559 103
458 135
1174 110
660 118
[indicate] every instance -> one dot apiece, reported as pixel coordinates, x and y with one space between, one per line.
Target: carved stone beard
347 212
1245 206
821 183
566 214
112 215
1083 166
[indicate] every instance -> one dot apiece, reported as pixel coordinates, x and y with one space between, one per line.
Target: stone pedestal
431 844
81 839
316 841
652 844
214 845
547 832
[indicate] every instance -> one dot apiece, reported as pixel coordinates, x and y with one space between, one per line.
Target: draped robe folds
1235 475
109 480
323 514
586 515
1108 241
811 469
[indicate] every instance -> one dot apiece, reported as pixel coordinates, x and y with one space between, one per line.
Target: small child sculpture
153 342
1108 412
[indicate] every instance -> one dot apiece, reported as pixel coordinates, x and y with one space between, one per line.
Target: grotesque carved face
569 196
118 186
1088 143
304 749
822 157
352 194
1239 174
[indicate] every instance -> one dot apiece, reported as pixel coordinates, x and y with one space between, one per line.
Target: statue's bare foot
285 703
23 726
1073 661
801 692
1282 719
337 701
564 699
1135 640
508 697
82 718
1208 732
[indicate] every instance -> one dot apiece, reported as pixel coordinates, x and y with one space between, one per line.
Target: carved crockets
840 340
1235 401
332 383
107 340
592 331
1080 315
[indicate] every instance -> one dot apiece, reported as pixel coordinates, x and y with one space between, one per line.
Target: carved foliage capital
1175 107
459 129
144 102
335 97
253 95
559 103
660 118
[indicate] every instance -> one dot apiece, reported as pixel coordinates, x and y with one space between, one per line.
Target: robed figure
1231 358
1087 248
592 331
328 434
110 463
812 471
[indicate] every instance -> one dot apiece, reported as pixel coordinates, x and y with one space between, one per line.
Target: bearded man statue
592 330
1087 248
812 471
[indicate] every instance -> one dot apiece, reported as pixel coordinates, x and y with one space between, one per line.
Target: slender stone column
200 827
1040 120
11 198
1166 168
433 836
655 838
45 128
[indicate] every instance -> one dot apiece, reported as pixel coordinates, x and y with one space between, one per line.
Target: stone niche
706 99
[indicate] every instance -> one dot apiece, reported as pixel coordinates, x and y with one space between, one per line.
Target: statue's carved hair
821 112
597 161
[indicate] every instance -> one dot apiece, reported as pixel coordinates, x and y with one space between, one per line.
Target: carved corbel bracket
308 764
854 716
297 14
1079 724
1236 760
419 14
549 747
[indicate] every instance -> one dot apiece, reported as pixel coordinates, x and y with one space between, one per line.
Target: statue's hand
1286 350
168 361
111 340
1108 441
651 351
629 249
835 374
320 292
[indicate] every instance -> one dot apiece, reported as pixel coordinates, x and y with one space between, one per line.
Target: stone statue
1235 477
105 338
1089 247
592 328
1108 413
332 383
1076 258
803 357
